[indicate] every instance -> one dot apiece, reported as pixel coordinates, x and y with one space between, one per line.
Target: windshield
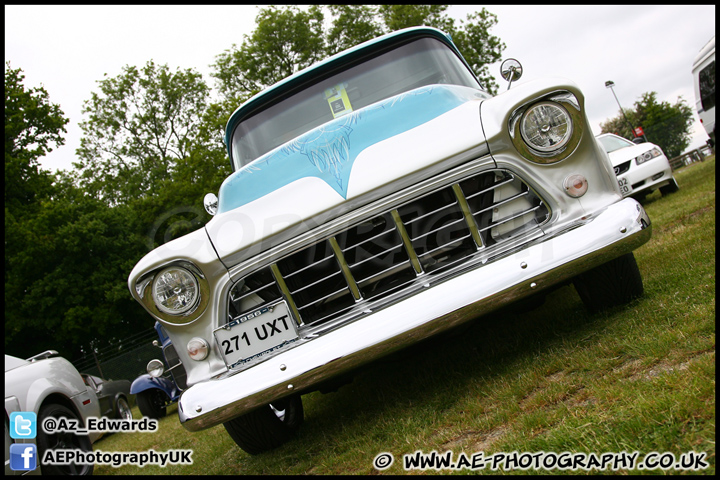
422 62
611 143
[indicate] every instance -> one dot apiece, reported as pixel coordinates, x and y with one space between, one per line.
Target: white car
48 386
640 168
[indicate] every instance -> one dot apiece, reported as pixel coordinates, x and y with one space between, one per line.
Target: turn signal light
576 185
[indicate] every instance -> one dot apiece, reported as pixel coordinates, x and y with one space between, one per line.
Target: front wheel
267 427
671 187
152 403
616 282
62 440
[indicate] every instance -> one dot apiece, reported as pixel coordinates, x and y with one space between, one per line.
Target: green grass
637 378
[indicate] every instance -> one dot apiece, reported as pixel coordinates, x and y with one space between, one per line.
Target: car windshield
422 62
611 143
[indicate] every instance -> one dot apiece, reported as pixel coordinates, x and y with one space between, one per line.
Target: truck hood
344 164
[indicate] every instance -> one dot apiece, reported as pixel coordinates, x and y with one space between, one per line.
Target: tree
664 124
67 284
283 42
139 126
33 126
289 39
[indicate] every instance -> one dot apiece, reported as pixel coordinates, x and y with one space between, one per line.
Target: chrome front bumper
619 229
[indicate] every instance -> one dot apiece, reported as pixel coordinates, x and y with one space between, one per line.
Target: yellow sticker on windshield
338 100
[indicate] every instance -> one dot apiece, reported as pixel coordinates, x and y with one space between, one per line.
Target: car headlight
547 130
546 127
649 155
175 290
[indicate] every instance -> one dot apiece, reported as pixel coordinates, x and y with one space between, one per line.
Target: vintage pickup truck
380 197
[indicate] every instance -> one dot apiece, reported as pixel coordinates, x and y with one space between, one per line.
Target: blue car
160 387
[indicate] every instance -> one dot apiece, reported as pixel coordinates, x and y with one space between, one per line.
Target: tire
268 427
61 440
152 403
614 283
671 187
122 409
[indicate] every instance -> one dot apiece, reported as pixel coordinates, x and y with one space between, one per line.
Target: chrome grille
383 254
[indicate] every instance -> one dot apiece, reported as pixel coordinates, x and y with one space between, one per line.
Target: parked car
158 388
380 197
640 168
50 387
703 71
114 396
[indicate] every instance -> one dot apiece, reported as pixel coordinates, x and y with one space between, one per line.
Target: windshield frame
335 65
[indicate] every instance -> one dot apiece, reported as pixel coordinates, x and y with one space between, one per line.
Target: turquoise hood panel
328 152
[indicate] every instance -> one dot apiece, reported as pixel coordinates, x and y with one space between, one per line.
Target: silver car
640 168
48 386
378 198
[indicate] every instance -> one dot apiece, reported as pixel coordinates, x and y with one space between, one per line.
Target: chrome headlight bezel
145 288
567 104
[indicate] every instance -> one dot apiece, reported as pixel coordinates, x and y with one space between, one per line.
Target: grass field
557 379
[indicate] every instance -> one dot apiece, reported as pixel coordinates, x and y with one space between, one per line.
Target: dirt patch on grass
476 441
666 367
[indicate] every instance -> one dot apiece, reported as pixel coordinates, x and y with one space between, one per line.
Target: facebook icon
23 456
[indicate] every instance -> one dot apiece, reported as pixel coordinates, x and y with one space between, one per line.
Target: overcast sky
67 49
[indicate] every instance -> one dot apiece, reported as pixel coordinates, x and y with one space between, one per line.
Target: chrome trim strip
345 269
469 219
286 293
308 266
407 242
619 229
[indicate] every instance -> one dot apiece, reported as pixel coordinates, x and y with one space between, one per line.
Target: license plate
257 332
624 187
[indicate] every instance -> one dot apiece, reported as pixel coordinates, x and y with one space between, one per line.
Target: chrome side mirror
211 203
511 70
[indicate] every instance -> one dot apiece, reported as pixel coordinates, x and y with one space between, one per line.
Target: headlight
546 127
155 368
649 155
175 290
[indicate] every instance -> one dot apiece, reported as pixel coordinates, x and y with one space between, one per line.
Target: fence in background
697 155
126 361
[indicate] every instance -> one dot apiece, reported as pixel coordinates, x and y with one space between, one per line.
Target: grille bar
393 250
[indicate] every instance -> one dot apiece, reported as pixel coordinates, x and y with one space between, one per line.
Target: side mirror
511 70
638 140
211 203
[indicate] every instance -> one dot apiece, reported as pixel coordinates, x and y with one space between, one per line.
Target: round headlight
155 368
175 290
546 127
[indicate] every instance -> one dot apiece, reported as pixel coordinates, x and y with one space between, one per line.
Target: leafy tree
140 125
664 124
283 42
33 126
289 39
68 282
352 24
